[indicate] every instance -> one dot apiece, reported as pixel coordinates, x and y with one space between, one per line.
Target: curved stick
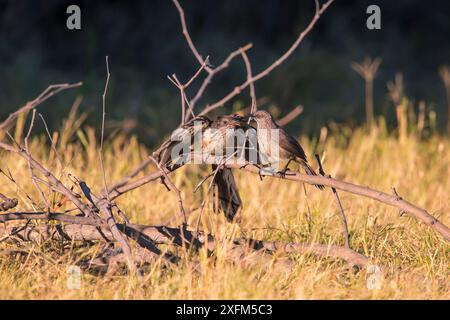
392 200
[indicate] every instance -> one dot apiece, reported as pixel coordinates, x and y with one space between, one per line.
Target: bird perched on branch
222 139
217 137
276 144
184 136
231 136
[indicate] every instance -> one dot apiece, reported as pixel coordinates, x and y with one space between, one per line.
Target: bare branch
30 168
380 196
203 66
180 87
188 37
50 177
58 158
292 115
216 70
102 165
237 90
130 176
338 201
46 94
177 191
248 68
116 192
82 229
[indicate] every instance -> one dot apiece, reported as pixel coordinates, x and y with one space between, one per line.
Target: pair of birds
273 144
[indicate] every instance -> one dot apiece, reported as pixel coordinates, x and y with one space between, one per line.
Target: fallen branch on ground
79 228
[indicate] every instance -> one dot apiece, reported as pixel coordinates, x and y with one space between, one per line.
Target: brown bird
229 200
216 136
278 145
228 135
217 140
183 136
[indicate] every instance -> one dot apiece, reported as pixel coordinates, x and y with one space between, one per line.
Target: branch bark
338 201
46 94
294 113
87 229
237 90
50 177
365 191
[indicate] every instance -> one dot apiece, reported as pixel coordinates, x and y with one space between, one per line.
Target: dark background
144 43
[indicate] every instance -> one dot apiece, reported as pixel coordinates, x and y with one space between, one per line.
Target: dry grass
416 260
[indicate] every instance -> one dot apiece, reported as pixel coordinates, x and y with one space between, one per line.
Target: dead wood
80 228
97 217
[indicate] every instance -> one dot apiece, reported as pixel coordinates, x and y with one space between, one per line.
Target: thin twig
106 208
237 90
30 168
338 201
216 70
248 68
188 37
203 66
58 158
177 191
180 87
49 176
293 114
46 94
102 165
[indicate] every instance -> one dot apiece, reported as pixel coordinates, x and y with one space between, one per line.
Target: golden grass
416 259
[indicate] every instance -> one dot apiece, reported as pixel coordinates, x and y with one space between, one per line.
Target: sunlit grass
416 260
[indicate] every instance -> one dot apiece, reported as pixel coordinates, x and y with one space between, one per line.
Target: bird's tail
310 171
229 200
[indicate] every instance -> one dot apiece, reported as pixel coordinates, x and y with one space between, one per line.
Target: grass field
415 260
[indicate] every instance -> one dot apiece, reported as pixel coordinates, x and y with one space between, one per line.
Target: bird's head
231 121
261 116
203 121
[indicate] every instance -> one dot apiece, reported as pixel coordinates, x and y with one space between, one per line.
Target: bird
280 145
216 136
229 200
185 136
227 136
219 140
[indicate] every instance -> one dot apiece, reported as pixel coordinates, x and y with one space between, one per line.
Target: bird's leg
282 172
260 168
247 164
260 175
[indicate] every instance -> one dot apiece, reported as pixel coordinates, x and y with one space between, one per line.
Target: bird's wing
229 200
291 145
